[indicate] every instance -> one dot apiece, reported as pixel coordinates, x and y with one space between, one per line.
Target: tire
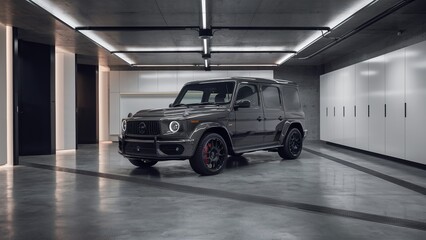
143 163
293 145
210 156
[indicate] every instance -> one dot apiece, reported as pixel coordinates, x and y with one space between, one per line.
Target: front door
274 113
248 121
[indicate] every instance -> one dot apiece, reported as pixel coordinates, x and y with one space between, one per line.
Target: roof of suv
250 79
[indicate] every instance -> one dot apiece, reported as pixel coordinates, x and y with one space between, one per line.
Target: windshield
216 93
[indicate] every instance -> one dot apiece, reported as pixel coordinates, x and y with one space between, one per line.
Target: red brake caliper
206 153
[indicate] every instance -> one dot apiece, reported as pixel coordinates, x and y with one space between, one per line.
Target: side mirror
244 103
129 115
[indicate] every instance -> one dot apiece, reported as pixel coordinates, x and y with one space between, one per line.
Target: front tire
293 144
143 163
210 156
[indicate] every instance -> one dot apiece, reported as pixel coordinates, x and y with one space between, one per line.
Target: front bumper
157 149
305 134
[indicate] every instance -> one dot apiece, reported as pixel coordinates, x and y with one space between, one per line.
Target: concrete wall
3 97
308 79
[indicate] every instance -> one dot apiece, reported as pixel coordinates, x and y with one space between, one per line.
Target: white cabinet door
416 103
395 98
339 86
361 102
331 105
323 107
129 82
376 98
348 76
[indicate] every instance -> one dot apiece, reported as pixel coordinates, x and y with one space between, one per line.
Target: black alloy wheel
293 145
143 163
210 156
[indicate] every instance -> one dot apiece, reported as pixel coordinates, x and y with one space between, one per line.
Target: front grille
143 127
140 148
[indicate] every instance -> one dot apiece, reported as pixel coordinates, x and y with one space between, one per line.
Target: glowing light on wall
9 93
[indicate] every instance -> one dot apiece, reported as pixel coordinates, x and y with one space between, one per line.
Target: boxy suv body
212 119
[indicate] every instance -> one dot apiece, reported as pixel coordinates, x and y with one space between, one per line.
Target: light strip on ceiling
159 49
67 19
125 58
165 65
335 22
206 63
243 65
206 50
247 48
204 13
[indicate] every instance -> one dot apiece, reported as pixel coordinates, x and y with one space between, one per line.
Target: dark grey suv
213 119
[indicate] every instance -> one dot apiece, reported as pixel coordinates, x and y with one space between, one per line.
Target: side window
291 99
249 92
271 97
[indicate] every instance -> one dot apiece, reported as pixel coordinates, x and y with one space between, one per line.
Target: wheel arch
288 125
207 128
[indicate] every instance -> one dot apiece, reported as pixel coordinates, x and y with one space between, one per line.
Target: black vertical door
86 104
36 98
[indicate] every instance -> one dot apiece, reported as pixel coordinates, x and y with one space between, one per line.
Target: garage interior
70 71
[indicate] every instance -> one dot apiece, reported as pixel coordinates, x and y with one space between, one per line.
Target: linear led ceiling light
165 65
334 23
58 13
204 13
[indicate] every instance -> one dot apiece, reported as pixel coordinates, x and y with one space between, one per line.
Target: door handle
280 118
259 118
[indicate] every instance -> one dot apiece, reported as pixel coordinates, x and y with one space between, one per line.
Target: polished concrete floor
328 193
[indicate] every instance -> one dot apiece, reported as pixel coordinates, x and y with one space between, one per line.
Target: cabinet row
378 105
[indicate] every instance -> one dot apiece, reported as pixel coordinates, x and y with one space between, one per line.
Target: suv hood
181 111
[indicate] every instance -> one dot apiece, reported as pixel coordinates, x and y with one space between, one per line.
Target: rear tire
293 145
210 156
143 163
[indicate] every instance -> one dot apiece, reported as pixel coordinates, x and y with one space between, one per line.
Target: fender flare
287 126
204 127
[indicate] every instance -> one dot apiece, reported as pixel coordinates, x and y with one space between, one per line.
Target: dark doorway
34 79
87 130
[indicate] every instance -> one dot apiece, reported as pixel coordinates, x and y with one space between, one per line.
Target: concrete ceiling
35 24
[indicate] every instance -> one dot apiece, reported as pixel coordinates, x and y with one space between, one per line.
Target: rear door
248 121
273 113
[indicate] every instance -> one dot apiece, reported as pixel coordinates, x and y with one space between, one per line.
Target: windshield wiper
180 104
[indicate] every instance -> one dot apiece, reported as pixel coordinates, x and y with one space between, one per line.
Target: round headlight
174 126
123 125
